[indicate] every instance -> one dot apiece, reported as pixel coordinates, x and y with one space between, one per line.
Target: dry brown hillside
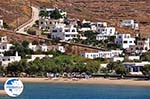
96 10
105 10
13 12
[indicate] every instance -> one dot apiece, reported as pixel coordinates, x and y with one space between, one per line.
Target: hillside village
129 50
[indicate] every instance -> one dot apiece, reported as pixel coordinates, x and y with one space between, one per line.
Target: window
141 48
67 35
54 31
125 41
73 30
73 36
67 30
137 48
130 42
145 48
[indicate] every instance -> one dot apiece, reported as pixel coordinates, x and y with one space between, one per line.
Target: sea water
81 91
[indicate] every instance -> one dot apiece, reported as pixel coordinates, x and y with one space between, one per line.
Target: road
29 23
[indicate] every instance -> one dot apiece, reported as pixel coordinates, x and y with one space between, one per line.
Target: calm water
76 91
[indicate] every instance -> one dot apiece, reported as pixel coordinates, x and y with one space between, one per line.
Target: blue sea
81 91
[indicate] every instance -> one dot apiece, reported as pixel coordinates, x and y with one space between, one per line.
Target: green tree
117 67
146 70
55 14
25 44
145 56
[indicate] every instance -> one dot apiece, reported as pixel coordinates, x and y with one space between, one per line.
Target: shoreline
101 81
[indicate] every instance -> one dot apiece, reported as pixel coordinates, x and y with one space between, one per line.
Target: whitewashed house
4 46
133 57
130 24
48 24
1 24
3 39
125 40
32 47
86 26
141 46
64 33
61 49
105 32
102 54
5 60
43 47
115 59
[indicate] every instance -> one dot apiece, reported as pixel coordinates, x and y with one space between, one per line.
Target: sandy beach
129 82
101 81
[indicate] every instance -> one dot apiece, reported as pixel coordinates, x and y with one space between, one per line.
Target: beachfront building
105 32
64 33
5 60
141 46
124 40
130 24
102 54
115 59
1 24
135 67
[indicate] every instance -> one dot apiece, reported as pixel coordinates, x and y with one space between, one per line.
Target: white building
5 60
102 54
133 57
3 39
1 24
135 67
101 37
125 40
61 49
43 47
130 24
105 32
64 33
115 59
141 46
5 47
48 24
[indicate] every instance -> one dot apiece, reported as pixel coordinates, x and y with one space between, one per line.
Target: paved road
35 16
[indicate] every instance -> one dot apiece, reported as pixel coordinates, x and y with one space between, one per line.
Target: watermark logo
13 87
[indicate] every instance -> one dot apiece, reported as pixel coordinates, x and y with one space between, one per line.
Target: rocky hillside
111 11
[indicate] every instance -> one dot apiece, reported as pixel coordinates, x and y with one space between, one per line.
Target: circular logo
13 87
